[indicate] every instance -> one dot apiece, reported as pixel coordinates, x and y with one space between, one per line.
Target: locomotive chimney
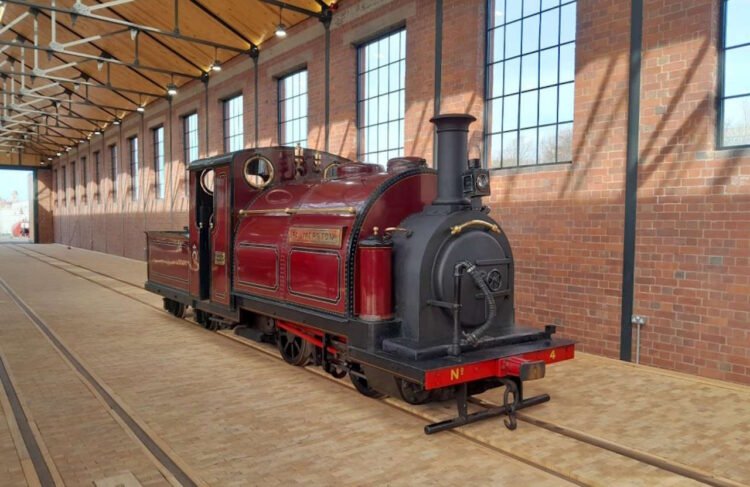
452 157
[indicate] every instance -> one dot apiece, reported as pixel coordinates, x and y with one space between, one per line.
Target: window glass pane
737 71
495 82
531 34
736 129
512 76
527 147
293 109
510 113
512 40
548 105
233 124
548 67
530 84
738 20
158 138
496 115
529 71
566 103
510 149
568 22
550 28
529 109
497 44
564 142
567 63
530 7
495 150
513 10
381 98
497 12
547 144
135 176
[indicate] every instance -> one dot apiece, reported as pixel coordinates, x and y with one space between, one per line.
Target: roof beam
223 22
72 115
294 8
61 50
81 82
85 12
158 41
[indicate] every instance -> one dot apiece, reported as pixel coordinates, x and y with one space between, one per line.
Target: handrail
333 210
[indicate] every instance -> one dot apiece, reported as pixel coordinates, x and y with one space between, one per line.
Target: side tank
297 242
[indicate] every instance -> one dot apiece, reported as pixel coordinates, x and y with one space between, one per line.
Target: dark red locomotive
397 277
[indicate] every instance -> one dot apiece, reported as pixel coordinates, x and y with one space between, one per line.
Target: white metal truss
28 103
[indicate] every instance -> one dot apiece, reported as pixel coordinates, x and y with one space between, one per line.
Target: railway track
138 294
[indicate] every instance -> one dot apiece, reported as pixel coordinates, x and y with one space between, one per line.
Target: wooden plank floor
233 414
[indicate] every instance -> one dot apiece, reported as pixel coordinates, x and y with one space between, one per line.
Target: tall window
530 82
64 186
734 96
381 71
74 179
134 173
233 128
293 109
84 180
189 142
158 134
55 187
114 168
97 176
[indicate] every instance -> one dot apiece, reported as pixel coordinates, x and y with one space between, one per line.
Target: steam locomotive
397 276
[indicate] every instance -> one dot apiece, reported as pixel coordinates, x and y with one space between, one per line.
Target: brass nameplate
220 258
318 236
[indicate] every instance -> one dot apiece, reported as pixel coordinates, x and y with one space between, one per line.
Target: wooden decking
224 412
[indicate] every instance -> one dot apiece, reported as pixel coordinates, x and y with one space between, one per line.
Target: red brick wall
44 200
565 221
693 255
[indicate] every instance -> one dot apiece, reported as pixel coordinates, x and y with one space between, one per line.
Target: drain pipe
631 180
638 321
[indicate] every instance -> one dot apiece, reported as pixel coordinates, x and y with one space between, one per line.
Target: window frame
226 119
279 102
113 167
55 187
74 180
64 174
720 97
84 180
361 128
160 163
186 147
135 171
97 176
488 101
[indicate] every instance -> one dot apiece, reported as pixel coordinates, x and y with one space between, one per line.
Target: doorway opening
16 206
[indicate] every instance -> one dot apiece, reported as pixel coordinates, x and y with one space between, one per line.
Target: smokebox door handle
457 229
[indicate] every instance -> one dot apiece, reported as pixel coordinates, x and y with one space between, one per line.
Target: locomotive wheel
294 350
202 318
411 392
174 308
360 383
